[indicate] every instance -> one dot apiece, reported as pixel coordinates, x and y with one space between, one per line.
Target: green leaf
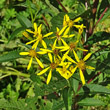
74 84
51 5
35 78
99 36
53 86
109 2
31 103
25 22
13 105
10 56
65 97
93 89
14 34
103 64
91 102
57 105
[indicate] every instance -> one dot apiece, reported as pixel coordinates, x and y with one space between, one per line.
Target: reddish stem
94 77
45 21
101 16
62 6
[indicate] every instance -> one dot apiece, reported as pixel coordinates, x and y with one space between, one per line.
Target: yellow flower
68 22
27 35
81 28
59 35
81 64
39 37
53 51
71 47
33 54
36 30
53 65
64 71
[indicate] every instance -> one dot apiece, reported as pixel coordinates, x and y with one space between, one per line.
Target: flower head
52 66
68 22
39 37
60 34
69 47
81 64
37 30
33 54
66 70
80 28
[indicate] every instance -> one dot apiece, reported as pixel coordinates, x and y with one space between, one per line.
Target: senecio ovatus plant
62 54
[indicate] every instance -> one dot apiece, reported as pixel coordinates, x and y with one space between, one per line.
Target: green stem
30 11
4 76
15 73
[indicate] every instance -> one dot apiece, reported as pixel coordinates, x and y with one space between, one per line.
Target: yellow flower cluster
62 52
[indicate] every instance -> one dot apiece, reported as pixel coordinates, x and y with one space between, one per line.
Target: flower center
32 53
58 36
72 46
35 33
40 37
64 69
70 23
55 51
81 65
53 65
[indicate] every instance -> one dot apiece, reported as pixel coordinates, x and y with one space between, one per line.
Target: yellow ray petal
30 62
64 21
24 53
35 45
48 34
76 57
62 30
73 70
77 19
77 26
31 41
35 27
72 35
41 52
45 50
57 29
54 44
39 62
39 29
64 49
87 56
70 59
28 30
66 31
50 57
43 71
44 44
89 67
64 43
49 76
59 70
67 18
82 76
60 47
64 36
27 35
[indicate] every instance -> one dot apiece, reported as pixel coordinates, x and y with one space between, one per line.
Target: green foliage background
23 90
